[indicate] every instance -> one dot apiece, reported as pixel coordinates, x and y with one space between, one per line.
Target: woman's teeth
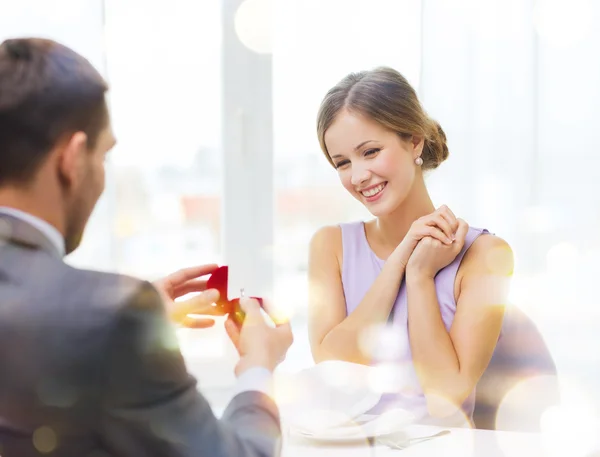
373 191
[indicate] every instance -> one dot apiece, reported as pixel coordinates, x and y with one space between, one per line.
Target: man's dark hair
47 92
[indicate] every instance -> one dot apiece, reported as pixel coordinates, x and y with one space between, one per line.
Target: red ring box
220 280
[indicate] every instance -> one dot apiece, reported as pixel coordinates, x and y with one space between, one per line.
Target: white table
459 443
562 441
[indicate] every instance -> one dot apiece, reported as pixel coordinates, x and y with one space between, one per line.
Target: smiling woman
307 194
413 266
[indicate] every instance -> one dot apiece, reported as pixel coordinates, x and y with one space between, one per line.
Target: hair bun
435 150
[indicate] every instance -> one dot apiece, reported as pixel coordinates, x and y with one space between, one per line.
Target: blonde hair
385 96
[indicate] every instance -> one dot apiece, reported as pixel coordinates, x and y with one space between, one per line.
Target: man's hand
258 344
185 281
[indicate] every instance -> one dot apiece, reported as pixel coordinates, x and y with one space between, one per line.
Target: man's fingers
279 315
285 331
202 304
185 274
233 332
193 285
191 322
252 310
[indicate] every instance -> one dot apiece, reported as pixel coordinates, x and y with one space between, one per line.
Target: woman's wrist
401 255
415 275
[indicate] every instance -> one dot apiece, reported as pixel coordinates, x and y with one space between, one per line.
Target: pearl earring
419 161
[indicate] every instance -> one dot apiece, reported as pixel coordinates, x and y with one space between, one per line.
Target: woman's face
374 164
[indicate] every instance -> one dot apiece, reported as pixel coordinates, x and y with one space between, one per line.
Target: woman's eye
342 163
371 151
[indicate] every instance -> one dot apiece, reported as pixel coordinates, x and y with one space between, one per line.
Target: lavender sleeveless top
360 268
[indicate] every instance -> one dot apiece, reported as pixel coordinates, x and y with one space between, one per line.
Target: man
88 361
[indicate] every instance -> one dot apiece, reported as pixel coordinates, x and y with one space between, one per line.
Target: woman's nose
360 175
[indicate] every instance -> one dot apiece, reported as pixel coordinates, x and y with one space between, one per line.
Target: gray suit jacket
89 366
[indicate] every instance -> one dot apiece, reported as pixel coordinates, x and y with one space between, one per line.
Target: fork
403 444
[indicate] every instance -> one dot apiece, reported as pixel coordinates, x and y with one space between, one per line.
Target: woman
418 267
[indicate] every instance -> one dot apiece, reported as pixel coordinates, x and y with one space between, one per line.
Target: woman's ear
417 142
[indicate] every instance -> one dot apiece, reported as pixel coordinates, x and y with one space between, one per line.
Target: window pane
165 95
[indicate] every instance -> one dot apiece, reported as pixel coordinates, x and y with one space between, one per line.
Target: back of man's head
48 92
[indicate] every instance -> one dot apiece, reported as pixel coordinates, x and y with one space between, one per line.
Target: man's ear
72 159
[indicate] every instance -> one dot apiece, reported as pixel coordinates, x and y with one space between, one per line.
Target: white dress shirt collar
49 231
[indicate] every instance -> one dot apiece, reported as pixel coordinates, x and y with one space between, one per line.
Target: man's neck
36 204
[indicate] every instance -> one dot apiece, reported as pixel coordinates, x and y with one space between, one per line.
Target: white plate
388 423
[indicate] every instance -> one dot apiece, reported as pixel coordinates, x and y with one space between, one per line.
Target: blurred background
214 105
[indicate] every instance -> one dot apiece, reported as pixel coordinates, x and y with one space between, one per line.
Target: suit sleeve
150 404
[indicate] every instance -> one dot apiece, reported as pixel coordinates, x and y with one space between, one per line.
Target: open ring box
220 280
